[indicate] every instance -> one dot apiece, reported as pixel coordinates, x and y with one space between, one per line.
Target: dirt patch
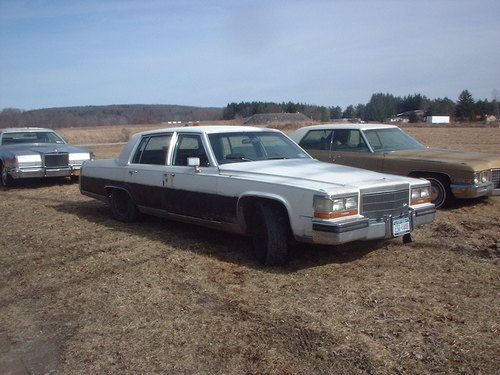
81 293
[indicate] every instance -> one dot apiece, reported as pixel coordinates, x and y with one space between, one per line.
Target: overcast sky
208 53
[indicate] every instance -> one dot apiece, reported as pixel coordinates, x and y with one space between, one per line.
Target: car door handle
132 172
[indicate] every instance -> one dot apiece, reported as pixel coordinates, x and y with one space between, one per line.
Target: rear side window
348 140
317 140
153 150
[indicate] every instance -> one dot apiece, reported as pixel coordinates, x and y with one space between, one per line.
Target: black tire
5 178
440 190
122 207
270 234
74 178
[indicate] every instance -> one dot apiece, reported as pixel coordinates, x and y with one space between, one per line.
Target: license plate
400 226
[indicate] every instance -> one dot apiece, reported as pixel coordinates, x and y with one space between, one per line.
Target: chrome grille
56 160
378 204
495 178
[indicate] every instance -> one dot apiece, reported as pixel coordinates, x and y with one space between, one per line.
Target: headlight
330 208
420 195
79 157
483 176
29 160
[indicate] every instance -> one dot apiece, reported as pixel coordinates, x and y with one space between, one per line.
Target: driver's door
191 191
349 148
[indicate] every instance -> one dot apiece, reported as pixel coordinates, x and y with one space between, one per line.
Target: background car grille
495 178
376 205
56 160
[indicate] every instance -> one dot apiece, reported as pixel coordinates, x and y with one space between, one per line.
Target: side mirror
194 162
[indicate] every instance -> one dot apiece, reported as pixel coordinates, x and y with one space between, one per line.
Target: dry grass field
83 294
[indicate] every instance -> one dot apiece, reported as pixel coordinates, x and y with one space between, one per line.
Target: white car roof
17 130
344 125
299 133
209 129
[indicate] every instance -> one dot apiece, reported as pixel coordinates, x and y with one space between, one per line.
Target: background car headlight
330 208
78 157
34 160
420 195
483 176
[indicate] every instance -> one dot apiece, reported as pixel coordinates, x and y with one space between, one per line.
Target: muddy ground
83 294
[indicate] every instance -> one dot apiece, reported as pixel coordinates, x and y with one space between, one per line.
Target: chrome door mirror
194 162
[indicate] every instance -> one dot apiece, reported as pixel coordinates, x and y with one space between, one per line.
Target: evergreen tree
335 112
349 112
464 109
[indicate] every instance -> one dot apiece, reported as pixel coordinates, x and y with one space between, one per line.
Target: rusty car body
256 182
387 148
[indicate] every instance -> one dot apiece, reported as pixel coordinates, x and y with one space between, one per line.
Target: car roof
209 129
343 125
298 134
17 130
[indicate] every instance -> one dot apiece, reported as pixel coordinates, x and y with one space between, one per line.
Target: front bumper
466 191
42 172
327 233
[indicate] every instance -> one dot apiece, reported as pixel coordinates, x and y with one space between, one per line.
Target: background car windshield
246 146
30 137
391 140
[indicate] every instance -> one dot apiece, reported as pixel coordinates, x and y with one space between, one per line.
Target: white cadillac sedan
256 182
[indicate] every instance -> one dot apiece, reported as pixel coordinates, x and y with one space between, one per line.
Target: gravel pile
266 118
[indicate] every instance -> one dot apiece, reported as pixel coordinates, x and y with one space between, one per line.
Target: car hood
312 174
42 148
476 160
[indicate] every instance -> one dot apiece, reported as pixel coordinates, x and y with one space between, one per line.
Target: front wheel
122 207
270 234
5 178
440 190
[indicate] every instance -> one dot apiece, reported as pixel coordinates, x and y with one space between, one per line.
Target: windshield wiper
277 158
237 157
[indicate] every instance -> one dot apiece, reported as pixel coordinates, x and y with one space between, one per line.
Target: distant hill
106 115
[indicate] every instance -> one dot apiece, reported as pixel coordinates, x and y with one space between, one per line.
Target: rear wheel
122 206
270 230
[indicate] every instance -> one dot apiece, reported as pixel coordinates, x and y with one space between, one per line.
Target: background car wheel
440 190
5 178
122 206
74 178
270 234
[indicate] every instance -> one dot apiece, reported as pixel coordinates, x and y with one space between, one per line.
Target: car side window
348 140
317 140
373 139
153 150
140 149
189 146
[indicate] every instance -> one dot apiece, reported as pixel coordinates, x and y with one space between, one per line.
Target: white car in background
38 152
256 182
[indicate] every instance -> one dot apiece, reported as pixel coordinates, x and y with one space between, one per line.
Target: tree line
380 107
105 115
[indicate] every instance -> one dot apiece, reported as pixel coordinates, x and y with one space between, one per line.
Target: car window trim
149 136
173 149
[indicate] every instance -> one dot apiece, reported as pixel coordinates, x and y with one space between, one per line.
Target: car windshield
392 139
30 137
253 146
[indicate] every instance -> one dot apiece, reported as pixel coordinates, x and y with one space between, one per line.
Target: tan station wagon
387 148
